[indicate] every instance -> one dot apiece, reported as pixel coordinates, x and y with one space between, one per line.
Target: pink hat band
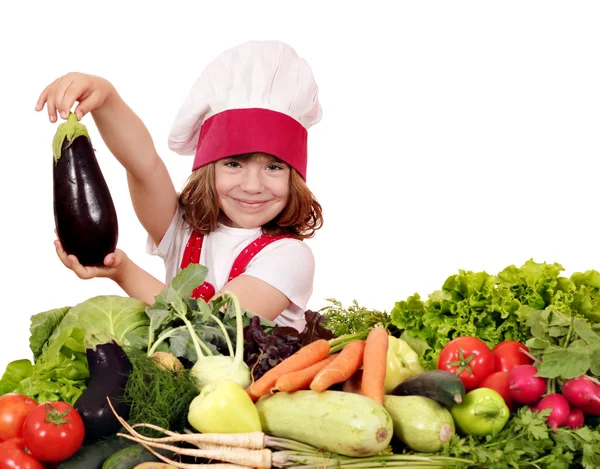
250 130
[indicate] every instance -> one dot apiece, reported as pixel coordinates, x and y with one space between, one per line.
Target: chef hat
256 97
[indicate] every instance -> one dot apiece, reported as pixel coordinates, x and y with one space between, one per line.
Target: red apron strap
244 257
191 255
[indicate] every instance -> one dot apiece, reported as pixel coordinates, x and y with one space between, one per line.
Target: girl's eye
275 167
232 164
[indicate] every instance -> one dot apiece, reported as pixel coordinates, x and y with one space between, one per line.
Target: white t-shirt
287 264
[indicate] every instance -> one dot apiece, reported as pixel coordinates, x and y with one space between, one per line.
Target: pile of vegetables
490 371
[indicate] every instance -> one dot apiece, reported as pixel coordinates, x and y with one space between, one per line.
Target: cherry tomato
53 431
498 381
508 355
469 358
14 456
14 408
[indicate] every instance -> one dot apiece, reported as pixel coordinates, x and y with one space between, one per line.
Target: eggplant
84 212
109 370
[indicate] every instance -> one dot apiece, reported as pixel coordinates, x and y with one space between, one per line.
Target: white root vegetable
258 458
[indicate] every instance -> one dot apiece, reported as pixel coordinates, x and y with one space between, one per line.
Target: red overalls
192 255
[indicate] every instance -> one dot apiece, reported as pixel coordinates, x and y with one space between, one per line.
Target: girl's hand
89 91
111 269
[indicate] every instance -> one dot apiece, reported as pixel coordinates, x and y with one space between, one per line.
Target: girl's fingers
60 92
62 255
74 92
51 107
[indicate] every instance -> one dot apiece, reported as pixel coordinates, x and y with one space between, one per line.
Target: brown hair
301 217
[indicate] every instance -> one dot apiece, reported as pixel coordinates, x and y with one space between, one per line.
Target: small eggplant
84 212
109 371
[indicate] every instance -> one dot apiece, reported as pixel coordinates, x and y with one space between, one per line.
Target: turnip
580 391
524 386
575 418
560 409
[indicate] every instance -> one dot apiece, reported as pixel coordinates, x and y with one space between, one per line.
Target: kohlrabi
209 367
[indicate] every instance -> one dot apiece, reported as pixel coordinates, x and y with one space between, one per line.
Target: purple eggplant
109 371
84 212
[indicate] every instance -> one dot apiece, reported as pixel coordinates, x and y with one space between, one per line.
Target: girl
245 208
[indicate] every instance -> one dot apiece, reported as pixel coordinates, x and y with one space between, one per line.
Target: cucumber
93 456
442 386
129 457
340 422
419 422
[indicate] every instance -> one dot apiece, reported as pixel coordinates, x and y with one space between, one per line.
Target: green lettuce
495 307
59 339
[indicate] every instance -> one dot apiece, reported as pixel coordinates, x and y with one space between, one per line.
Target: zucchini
419 422
93 456
128 458
442 386
340 422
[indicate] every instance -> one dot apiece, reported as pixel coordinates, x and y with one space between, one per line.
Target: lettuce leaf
58 341
494 307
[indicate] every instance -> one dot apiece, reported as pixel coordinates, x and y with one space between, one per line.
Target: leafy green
527 441
58 341
157 395
41 328
355 319
211 321
16 371
105 318
499 307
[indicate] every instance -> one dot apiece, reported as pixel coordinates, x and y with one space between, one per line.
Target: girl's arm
257 296
152 192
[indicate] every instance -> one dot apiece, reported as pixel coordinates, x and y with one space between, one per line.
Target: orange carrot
303 358
375 364
301 379
343 367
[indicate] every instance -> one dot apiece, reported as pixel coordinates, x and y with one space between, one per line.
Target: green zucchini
442 386
93 456
419 422
340 422
129 457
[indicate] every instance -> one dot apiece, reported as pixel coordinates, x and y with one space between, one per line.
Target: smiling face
253 190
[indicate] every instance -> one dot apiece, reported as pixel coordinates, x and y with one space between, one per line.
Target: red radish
576 418
524 386
593 408
580 391
560 409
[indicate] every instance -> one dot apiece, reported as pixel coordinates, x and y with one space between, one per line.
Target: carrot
301 379
303 358
375 364
343 367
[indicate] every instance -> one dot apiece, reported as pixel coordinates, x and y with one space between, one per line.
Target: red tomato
498 381
53 431
508 355
14 408
469 358
14 456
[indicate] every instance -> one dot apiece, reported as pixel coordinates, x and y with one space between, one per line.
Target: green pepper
224 407
402 363
482 412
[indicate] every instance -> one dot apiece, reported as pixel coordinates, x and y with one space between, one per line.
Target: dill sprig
157 395
355 319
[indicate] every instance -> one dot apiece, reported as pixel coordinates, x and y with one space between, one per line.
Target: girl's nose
252 182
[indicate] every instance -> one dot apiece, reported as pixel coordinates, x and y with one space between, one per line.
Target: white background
455 135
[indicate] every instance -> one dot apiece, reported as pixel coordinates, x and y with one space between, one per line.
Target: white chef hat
257 97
